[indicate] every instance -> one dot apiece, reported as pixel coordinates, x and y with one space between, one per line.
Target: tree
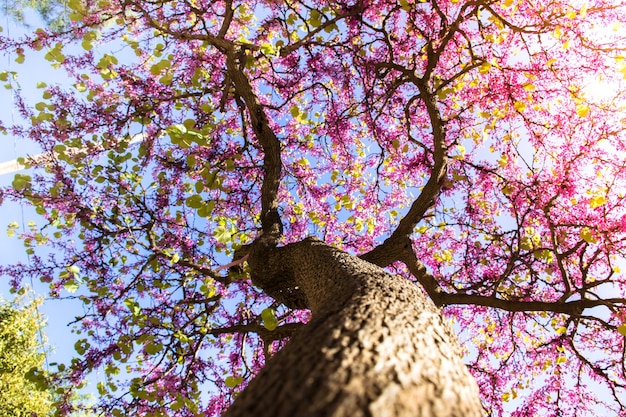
23 387
458 161
52 12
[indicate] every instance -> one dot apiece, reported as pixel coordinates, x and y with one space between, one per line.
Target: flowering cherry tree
454 159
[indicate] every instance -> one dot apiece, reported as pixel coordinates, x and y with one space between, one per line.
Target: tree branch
572 308
441 298
281 332
272 163
391 249
228 18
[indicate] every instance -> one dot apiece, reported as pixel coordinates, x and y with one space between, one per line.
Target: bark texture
375 345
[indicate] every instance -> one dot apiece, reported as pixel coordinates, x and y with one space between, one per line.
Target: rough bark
375 345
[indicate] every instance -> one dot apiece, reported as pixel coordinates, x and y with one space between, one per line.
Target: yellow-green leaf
71 286
175 258
222 235
232 382
153 348
582 110
519 106
597 201
484 68
76 5
269 319
588 236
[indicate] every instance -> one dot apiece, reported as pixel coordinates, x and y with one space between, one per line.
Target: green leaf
21 181
232 382
55 54
588 236
621 329
210 179
526 244
81 346
222 235
268 316
160 66
133 306
177 405
330 28
405 5
195 136
206 209
38 378
101 388
153 348
175 258
75 5
11 228
268 49
167 78
195 201
189 123
105 61
75 17
207 289
71 286
544 254
315 19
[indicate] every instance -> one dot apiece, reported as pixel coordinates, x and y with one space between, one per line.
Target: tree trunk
375 345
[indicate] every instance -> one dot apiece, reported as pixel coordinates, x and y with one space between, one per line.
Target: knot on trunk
306 274
271 270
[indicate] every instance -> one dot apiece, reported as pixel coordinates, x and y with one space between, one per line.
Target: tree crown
475 146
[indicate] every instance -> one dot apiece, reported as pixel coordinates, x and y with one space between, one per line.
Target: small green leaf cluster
185 135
